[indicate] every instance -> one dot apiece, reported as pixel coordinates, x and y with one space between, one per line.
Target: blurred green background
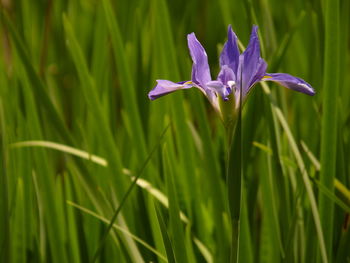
76 127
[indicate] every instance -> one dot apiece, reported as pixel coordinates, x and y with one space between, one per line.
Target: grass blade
36 83
303 172
176 227
125 197
329 119
126 80
121 229
168 246
62 148
4 198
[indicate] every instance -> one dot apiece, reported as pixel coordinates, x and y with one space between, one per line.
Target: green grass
93 171
329 118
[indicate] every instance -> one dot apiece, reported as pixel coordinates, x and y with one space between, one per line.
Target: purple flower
238 72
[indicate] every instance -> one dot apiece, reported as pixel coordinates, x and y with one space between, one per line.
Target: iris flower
238 73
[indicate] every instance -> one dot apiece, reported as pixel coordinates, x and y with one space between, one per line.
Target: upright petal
251 64
200 68
230 53
226 74
290 82
165 87
259 73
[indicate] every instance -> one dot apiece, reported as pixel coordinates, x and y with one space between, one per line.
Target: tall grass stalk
329 120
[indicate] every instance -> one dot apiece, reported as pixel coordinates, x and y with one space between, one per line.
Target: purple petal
220 88
230 53
258 75
226 74
251 66
215 84
165 87
200 68
290 82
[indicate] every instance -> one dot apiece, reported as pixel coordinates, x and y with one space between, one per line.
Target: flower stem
234 181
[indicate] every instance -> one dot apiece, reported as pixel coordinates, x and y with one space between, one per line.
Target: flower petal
217 86
200 68
226 74
259 73
290 82
251 66
165 87
230 53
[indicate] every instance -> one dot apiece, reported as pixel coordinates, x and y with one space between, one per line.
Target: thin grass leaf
36 83
161 197
345 192
176 228
337 184
62 148
41 237
246 247
270 208
4 199
72 225
18 233
117 227
156 193
41 95
90 93
280 53
344 243
276 168
167 243
125 197
169 67
303 172
126 79
155 227
188 243
46 182
329 120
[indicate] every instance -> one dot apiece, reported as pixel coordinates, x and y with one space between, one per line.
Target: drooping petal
290 82
230 53
165 87
251 64
200 67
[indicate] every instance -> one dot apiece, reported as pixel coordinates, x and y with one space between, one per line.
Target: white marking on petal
306 87
231 83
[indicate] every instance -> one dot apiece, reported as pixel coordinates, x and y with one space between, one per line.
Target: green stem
234 180
329 121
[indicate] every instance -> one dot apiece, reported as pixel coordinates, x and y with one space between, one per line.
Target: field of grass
91 170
